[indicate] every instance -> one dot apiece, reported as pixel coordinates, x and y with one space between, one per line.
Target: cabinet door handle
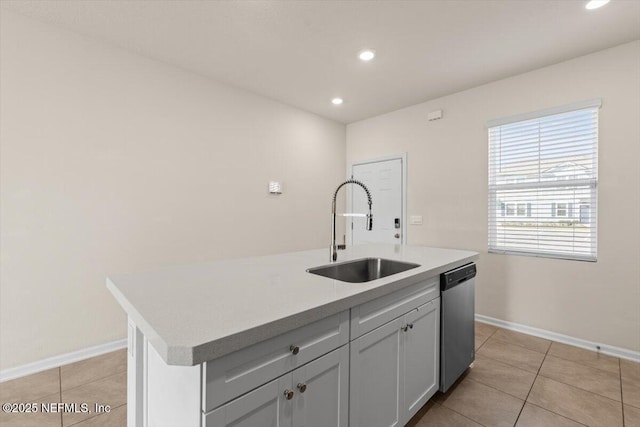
302 387
288 394
294 349
407 327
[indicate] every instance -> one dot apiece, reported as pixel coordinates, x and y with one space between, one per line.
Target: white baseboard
63 359
609 350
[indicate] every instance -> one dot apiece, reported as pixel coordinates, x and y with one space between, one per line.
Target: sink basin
362 270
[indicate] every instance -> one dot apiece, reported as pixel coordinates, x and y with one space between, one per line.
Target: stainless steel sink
362 270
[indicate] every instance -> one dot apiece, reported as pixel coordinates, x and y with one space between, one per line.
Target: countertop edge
223 346
150 334
178 355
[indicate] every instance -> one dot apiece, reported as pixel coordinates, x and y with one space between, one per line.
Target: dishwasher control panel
459 275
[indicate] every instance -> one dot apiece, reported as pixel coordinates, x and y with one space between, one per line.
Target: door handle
397 235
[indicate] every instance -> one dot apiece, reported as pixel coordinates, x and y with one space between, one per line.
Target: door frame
403 216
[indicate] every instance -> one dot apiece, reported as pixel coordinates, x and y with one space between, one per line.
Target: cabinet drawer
323 402
264 406
244 370
370 315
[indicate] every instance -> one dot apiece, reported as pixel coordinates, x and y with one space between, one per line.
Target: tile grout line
475 351
94 416
533 383
494 388
486 339
522 346
555 413
93 381
555 355
570 385
510 365
584 364
580 388
534 380
524 402
462 415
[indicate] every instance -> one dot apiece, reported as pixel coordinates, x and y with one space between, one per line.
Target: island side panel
159 394
135 376
173 393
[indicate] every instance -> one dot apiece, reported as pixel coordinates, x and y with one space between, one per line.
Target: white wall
447 162
111 162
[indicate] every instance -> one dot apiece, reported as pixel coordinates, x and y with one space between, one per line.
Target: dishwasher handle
457 276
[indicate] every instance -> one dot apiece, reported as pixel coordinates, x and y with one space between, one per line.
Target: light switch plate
415 220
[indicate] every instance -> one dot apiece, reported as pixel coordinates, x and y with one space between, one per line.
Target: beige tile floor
101 379
524 381
516 380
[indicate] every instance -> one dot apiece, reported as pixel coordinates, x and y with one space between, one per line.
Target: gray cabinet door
265 406
421 352
376 371
322 391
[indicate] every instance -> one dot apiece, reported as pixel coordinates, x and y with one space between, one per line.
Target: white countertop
195 313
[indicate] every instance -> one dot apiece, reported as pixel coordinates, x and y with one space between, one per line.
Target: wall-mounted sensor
275 187
434 115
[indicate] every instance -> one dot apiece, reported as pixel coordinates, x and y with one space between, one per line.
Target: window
542 183
510 209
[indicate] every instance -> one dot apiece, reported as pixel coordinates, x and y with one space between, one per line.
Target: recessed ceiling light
594 4
337 101
367 54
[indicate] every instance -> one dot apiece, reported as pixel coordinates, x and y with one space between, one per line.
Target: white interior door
384 178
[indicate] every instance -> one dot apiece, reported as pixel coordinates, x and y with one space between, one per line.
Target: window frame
498 208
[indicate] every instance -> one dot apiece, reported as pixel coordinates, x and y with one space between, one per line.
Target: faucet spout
369 224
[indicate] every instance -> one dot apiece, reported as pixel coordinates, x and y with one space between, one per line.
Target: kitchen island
218 343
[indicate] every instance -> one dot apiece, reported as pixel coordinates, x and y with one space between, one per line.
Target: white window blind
543 183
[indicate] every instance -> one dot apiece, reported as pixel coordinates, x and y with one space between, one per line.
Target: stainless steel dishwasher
457 317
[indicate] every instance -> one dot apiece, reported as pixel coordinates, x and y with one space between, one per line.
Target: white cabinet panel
237 373
318 397
421 353
376 367
394 368
322 391
266 406
373 314
173 392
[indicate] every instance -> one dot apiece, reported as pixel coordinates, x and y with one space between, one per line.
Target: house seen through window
543 181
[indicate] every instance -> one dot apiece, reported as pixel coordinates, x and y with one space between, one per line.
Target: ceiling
304 53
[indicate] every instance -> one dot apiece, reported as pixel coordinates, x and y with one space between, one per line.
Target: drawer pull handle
288 394
294 349
302 387
406 328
